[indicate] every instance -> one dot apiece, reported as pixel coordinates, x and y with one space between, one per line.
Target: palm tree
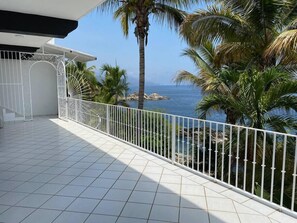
262 100
258 33
139 12
211 78
113 84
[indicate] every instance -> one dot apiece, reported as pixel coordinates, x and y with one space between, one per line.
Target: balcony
55 170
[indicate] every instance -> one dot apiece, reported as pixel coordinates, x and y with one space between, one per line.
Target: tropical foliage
249 32
113 85
139 13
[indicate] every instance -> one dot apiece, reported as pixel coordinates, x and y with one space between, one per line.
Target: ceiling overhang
37 25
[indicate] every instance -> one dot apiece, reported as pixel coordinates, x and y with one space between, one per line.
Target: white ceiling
22 40
67 9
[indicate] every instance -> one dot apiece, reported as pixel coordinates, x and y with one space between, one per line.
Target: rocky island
151 97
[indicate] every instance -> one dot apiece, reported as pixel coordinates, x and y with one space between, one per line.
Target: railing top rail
194 119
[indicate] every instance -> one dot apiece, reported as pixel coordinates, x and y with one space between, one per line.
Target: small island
151 97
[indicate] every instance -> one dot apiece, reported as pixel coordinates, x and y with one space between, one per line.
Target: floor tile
124 184
15 214
109 207
223 217
83 205
146 186
58 203
189 201
105 183
193 190
91 173
167 199
34 200
247 218
96 218
43 178
162 213
3 208
62 179
136 210
142 197
42 216
71 217
261 208
11 198
82 181
282 217
192 215
220 204
130 220
117 195
71 190
28 187
94 192
49 189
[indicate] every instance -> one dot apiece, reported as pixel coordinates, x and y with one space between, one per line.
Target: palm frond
213 24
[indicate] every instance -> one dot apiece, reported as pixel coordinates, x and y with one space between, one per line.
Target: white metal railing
258 162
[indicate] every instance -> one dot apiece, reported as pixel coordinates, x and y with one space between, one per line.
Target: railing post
76 110
107 119
173 138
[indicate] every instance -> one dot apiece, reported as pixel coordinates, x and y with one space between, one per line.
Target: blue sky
100 35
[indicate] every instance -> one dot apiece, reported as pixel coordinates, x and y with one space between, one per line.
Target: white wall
11 95
44 89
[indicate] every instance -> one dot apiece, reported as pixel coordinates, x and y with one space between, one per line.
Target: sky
100 35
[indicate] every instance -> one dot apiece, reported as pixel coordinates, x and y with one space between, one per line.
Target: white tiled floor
57 171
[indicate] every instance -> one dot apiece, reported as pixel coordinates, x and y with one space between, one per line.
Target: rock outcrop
151 97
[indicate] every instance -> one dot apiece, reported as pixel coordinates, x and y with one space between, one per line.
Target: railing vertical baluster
178 137
151 131
76 110
193 142
165 136
107 118
230 155
294 177
237 156
273 167
223 154
198 146
183 141
169 136
263 164
173 138
141 128
157 138
204 147
188 143
216 151
154 131
283 171
209 148
254 162
161 135
245 157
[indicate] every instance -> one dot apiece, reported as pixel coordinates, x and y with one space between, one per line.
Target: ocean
182 101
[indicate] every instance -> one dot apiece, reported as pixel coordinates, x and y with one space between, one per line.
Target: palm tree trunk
141 72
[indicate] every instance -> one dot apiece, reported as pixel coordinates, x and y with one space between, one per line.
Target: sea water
183 100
